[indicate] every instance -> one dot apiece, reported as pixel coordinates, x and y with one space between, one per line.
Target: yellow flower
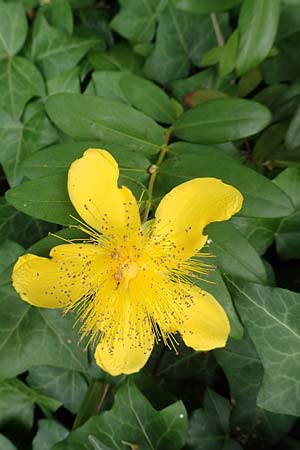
131 286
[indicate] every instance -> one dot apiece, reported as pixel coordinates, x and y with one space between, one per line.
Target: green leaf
49 433
254 47
136 20
9 252
58 158
260 233
148 98
292 139
131 421
209 427
13 28
33 336
206 79
60 15
212 56
254 427
6 444
261 197
221 120
217 287
182 39
229 54
271 316
54 51
289 181
19 227
269 141
19 140
288 237
249 81
17 403
67 81
67 386
20 80
234 254
119 57
202 95
106 84
85 117
205 6
44 198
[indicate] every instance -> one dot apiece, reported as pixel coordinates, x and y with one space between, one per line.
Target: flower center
126 272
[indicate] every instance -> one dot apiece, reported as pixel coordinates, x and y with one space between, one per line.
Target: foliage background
221 77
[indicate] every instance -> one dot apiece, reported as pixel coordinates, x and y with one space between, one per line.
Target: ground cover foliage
217 82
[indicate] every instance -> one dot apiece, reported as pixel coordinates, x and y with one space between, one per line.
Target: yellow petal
94 192
206 325
55 282
127 347
184 212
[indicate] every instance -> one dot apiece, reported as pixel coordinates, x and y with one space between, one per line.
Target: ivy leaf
253 426
182 39
272 317
55 51
13 28
33 336
131 421
20 80
6 444
49 433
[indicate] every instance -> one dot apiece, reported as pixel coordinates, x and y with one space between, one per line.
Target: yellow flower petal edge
131 286
184 212
94 192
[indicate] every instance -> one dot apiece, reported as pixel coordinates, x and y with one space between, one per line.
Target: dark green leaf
17 403
31 336
259 232
205 6
292 139
44 198
222 120
19 82
255 46
84 117
67 81
209 427
54 51
182 39
49 433
120 57
67 386
5 444
19 227
9 252
253 426
288 237
106 84
19 140
131 421
234 254
271 316
60 15
13 28
229 54
136 20
217 287
148 98
261 197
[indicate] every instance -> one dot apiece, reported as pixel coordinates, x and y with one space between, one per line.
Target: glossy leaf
84 117
254 46
44 198
205 6
261 197
221 120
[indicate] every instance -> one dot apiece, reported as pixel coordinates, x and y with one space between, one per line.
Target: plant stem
153 170
92 401
217 29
